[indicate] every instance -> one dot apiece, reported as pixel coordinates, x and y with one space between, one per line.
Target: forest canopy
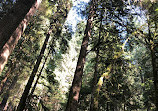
78 55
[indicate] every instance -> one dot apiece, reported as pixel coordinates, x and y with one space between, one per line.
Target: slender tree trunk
155 75
124 107
72 103
154 59
7 81
107 106
94 95
7 93
142 77
4 101
25 94
3 82
39 75
21 105
111 107
13 25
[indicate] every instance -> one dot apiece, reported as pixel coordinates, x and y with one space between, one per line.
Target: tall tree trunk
4 81
39 75
72 103
57 32
107 106
7 93
11 69
21 105
94 95
13 25
154 59
9 77
124 107
111 107
155 75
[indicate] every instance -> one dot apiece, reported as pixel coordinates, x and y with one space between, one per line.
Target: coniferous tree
72 103
109 51
22 103
149 39
94 98
12 25
57 22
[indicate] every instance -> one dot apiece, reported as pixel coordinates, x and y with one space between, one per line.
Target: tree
13 25
72 103
21 105
149 39
94 98
120 72
55 27
109 45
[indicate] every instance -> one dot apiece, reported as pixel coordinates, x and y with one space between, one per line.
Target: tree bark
94 95
7 93
155 75
72 103
21 105
154 51
13 25
39 75
3 82
94 98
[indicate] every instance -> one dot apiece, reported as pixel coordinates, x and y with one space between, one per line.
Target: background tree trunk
39 75
94 95
155 75
154 50
7 93
21 105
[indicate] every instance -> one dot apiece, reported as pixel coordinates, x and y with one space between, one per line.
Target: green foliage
124 64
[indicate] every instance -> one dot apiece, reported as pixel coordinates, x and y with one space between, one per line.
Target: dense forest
78 55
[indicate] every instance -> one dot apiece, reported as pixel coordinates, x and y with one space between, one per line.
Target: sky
73 18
